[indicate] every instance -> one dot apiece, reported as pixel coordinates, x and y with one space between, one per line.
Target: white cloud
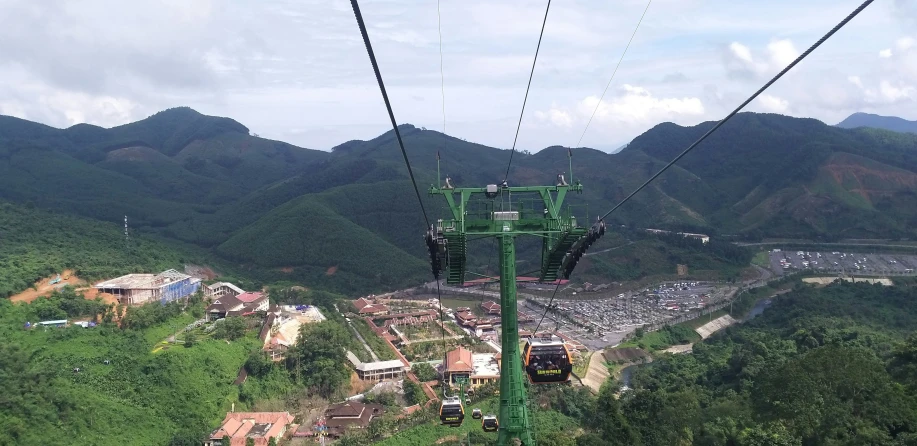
855 80
781 52
628 112
560 118
741 61
14 109
893 93
886 53
773 104
741 51
905 43
104 111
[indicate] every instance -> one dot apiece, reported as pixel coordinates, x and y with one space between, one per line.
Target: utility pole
564 242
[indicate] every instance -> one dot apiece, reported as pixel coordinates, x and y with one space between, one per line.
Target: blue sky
297 70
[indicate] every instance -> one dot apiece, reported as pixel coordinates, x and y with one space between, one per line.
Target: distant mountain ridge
892 123
348 220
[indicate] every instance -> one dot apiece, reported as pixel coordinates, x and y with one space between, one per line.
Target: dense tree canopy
820 367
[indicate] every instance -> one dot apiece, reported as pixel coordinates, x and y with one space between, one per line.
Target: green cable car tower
564 241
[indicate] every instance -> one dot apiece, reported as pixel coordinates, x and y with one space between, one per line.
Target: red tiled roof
373 308
490 306
236 425
465 315
250 296
459 360
362 302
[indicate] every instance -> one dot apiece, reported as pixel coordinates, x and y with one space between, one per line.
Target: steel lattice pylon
564 242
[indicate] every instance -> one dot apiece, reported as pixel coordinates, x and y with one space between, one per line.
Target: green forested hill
36 243
205 181
820 367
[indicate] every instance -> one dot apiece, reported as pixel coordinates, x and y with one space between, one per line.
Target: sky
297 71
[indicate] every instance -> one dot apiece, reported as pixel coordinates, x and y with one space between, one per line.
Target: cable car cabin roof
537 342
549 349
452 404
452 400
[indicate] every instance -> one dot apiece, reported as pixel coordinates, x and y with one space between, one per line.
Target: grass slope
138 398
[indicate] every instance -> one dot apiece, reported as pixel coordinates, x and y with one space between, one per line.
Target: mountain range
892 123
348 218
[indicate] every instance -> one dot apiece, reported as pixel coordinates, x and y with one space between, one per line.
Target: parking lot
783 262
602 323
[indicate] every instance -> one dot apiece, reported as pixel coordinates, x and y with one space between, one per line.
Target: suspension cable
521 113
391 114
718 124
535 333
439 296
578 142
442 331
388 105
743 104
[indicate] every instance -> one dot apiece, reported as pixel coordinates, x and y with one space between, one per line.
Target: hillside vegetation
271 207
172 396
649 255
820 367
35 243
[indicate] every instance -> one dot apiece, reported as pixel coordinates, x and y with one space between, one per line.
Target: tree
559 438
424 372
774 435
590 439
249 441
231 328
413 393
257 365
609 419
272 441
190 339
318 358
353 438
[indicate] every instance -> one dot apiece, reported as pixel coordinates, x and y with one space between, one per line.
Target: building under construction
134 289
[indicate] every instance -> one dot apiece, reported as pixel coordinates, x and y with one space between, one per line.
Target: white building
378 371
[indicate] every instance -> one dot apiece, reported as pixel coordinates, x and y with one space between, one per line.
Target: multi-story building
134 289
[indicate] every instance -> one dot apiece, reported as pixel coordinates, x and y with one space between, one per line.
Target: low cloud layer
297 70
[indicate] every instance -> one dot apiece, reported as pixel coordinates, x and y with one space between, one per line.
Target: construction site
165 287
